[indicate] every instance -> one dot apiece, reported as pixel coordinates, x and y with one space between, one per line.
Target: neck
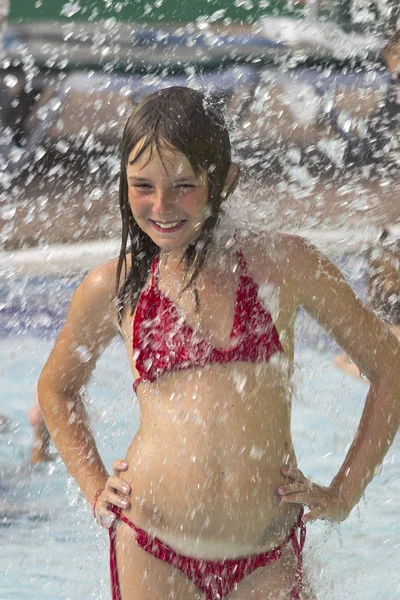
220 254
173 258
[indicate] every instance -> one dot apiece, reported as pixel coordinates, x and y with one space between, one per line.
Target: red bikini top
164 342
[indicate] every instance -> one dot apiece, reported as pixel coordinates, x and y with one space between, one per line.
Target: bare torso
205 465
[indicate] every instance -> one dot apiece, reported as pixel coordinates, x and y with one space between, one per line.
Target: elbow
45 395
57 401
386 372
385 384
42 391
386 390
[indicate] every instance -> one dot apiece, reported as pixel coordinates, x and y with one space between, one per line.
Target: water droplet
10 80
84 354
62 146
39 153
256 453
70 9
219 14
62 63
7 212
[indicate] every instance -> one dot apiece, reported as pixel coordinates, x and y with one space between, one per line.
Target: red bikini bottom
214 578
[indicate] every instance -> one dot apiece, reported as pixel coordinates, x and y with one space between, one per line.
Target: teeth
167 225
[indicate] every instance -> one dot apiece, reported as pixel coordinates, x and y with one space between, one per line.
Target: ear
231 180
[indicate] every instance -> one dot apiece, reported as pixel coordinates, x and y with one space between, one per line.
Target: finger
119 484
116 500
312 515
119 465
295 488
293 473
105 518
300 498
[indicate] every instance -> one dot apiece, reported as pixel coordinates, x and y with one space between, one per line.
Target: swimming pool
50 548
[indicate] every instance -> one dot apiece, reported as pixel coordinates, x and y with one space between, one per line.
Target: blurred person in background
41 439
381 18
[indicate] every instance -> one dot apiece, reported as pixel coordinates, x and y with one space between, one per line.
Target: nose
164 200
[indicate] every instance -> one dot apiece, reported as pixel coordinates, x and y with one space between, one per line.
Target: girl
211 502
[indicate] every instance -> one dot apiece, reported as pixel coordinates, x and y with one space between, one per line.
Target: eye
141 186
185 186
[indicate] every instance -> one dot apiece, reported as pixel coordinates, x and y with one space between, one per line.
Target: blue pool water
49 546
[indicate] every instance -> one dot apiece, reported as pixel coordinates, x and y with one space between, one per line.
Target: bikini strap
242 260
154 270
298 536
300 527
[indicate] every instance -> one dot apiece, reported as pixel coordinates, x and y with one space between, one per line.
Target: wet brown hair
383 278
184 119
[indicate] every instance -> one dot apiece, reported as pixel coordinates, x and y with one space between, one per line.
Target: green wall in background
145 11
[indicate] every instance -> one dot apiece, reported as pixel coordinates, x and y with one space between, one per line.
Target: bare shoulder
95 299
91 323
100 282
278 255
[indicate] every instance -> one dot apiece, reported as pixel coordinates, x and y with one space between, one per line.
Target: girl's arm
89 327
323 292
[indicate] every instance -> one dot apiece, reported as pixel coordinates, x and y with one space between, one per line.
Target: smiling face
167 198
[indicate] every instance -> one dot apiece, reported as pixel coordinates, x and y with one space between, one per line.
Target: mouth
167 227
